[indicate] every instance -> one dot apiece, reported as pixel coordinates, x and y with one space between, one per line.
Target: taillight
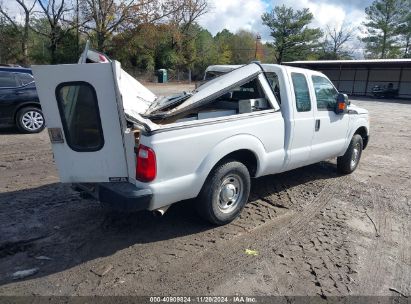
146 169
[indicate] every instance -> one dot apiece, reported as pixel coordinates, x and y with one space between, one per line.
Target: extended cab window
275 84
249 90
302 95
7 80
79 112
325 93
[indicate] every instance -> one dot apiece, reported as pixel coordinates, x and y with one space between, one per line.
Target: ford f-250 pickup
131 150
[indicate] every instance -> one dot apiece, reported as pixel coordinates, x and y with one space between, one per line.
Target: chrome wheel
32 121
230 193
355 155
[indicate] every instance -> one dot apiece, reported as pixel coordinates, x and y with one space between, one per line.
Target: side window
7 80
275 84
25 78
301 92
80 115
325 93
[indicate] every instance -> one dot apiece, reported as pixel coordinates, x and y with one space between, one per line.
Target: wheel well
362 131
25 105
244 156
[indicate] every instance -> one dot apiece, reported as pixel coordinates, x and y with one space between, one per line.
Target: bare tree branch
337 38
54 12
24 30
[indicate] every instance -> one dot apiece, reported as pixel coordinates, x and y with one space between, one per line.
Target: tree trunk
101 39
280 56
25 39
407 47
384 45
53 47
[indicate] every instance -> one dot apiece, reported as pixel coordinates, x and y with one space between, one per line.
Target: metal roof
367 63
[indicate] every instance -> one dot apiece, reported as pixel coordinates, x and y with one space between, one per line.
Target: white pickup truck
131 150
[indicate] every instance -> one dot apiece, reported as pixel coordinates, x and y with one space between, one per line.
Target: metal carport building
358 77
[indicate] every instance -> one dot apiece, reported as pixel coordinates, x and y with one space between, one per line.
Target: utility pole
257 40
77 27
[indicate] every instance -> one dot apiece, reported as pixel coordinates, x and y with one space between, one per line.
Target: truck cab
133 150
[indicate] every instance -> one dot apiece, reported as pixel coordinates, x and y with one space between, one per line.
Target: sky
246 14
235 15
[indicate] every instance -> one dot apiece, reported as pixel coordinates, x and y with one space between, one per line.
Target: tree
65 51
184 13
223 41
336 40
182 19
53 11
23 31
406 35
243 45
293 39
9 45
206 53
104 17
385 18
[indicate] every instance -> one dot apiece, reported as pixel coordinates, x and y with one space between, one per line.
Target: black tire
221 204
347 163
23 120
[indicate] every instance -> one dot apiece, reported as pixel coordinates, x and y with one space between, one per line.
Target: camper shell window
80 116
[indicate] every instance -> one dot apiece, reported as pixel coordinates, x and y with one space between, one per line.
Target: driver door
331 129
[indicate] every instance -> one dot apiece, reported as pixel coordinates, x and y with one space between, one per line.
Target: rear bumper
124 196
119 196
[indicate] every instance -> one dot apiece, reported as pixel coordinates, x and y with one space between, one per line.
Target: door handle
19 92
317 125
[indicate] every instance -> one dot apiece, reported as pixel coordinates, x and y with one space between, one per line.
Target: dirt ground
315 232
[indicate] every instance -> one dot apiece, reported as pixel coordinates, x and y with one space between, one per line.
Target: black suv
19 102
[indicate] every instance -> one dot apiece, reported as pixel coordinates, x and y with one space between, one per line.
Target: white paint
187 151
75 166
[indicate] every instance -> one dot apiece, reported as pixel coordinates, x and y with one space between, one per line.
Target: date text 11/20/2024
206 299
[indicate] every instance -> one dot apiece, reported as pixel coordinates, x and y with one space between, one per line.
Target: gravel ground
315 232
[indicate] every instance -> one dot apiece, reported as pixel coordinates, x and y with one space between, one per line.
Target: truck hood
357 109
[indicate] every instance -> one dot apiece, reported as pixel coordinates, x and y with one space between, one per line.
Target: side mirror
342 103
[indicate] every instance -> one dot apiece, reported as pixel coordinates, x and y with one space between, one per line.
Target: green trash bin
162 76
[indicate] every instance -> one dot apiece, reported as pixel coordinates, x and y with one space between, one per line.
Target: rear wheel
347 163
30 120
224 193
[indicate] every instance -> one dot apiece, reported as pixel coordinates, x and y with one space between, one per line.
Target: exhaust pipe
160 211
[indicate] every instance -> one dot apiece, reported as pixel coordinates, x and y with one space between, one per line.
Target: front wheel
224 193
30 120
347 163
